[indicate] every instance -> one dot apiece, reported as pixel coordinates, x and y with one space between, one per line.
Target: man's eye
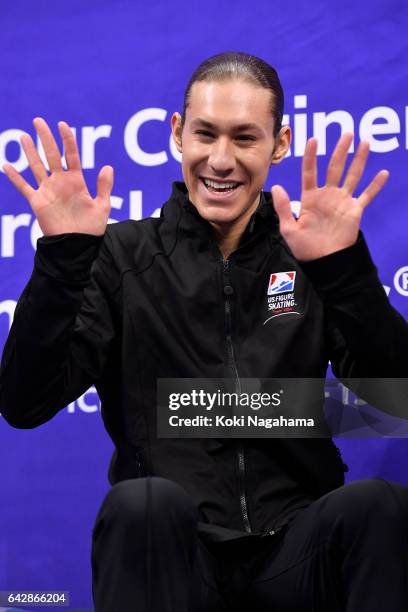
245 137
204 133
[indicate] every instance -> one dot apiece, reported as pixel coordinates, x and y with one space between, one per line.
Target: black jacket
148 301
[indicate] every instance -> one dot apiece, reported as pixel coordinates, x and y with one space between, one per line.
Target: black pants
346 552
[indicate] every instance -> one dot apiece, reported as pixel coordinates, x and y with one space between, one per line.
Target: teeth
216 185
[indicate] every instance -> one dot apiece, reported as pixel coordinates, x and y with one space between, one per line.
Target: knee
366 501
137 500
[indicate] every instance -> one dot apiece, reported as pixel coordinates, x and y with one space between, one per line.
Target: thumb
281 204
104 182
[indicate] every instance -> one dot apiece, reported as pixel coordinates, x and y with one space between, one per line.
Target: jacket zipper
228 290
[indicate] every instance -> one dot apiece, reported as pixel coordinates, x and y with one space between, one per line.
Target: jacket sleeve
62 329
367 338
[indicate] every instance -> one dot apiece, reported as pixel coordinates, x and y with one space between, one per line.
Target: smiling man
226 154
197 525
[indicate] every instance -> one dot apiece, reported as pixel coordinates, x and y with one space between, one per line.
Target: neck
228 236
227 244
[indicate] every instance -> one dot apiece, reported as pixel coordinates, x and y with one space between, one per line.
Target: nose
221 158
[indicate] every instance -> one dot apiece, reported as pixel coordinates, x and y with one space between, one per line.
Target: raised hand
330 216
62 202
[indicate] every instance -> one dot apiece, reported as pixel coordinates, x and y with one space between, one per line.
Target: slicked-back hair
240 66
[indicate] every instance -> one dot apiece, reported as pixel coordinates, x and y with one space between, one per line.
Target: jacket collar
181 220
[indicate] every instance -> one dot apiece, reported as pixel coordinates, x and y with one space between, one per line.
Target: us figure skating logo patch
281 295
280 282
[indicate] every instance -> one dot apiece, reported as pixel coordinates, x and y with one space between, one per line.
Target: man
199 524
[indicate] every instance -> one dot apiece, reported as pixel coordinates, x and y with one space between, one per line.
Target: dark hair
239 65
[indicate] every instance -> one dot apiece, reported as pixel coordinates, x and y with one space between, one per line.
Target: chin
214 214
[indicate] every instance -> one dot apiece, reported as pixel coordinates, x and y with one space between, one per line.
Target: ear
282 144
176 129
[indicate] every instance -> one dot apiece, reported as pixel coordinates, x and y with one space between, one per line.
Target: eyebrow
239 128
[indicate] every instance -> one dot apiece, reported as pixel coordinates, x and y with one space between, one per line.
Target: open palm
330 216
62 202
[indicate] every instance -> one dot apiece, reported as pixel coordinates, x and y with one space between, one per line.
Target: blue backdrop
116 70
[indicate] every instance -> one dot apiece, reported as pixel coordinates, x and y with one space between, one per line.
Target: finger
356 168
21 184
70 146
281 204
50 147
373 188
337 162
104 182
36 165
309 165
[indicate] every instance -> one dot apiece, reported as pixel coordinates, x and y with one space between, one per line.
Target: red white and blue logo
281 282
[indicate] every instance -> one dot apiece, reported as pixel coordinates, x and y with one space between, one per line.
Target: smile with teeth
219 187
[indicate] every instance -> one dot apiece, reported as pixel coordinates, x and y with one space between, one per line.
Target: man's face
227 146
